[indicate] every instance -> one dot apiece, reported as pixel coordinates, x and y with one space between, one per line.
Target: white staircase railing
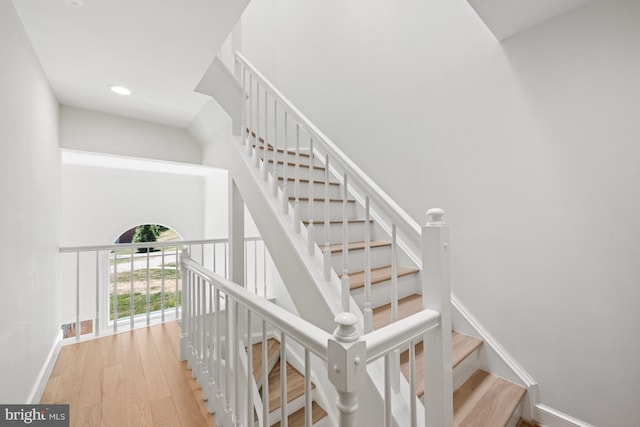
111 288
279 134
219 325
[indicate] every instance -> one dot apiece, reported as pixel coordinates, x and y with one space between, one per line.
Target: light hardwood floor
129 379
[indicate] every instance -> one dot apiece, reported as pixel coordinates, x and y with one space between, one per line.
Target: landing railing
110 288
275 132
222 320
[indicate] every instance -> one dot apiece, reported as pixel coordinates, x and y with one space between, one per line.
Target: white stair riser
465 368
380 257
381 292
317 213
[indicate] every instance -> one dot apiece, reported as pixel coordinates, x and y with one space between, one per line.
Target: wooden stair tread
380 274
302 165
295 386
305 180
338 221
270 147
406 307
462 346
525 423
297 418
485 400
355 246
321 199
273 350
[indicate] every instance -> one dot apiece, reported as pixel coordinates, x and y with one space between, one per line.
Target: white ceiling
506 18
157 48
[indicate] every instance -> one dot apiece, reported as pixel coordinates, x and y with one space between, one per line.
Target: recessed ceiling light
74 2
120 90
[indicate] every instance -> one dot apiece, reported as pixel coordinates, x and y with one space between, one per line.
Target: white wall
93 131
98 204
530 146
29 212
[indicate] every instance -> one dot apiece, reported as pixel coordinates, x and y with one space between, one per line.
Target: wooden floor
129 379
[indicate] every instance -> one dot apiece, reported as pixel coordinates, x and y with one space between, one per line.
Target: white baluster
131 293
243 132
148 286
211 386
227 360
250 382
218 351
388 415
265 375
96 322
296 206
394 275
236 364
250 129
307 388
115 292
197 337
284 422
274 183
367 312
78 330
162 287
327 221
184 332
178 304
264 269
310 237
265 157
256 143
345 294
436 295
285 183
412 384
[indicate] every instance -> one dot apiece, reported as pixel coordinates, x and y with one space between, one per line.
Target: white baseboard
45 371
550 417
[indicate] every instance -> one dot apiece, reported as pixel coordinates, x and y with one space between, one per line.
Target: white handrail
381 199
68 249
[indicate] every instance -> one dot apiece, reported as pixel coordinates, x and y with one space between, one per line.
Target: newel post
184 324
436 294
347 366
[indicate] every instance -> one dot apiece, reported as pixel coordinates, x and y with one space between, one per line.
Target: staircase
343 246
480 399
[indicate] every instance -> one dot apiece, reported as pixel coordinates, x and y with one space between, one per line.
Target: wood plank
406 307
91 387
50 390
137 401
113 397
181 391
525 423
89 416
131 361
297 418
153 373
113 350
320 200
462 346
164 413
356 246
71 378
273 351
485 400
337 221
378 275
